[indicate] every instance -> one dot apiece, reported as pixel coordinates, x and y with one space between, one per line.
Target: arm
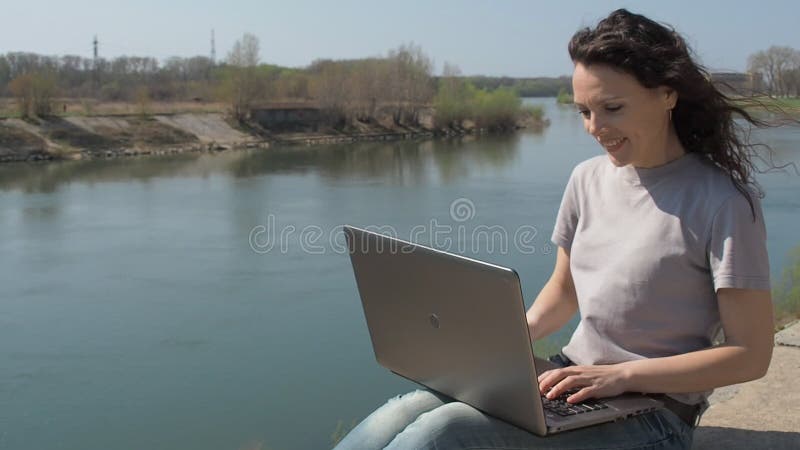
556 303
747 320
746 317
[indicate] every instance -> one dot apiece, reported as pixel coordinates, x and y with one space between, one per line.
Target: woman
661 241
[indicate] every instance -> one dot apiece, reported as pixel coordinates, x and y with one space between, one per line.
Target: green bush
500 109
534 112
564 97
786 293
453 102
497 110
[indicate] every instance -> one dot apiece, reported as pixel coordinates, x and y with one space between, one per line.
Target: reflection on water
395 162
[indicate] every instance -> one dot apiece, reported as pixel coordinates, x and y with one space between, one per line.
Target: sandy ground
207 127
762 414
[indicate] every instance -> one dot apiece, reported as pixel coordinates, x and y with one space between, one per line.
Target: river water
204 301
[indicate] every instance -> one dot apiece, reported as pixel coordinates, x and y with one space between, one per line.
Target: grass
786 292
792 103
70 107
788 104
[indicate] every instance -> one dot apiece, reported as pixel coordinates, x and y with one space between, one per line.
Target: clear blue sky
499 37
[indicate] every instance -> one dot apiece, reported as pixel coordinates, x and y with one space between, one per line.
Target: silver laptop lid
451 323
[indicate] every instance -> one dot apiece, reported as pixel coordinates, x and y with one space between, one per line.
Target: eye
613 108
584 112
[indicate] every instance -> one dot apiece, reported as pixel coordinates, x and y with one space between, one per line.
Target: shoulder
718 189
590 168
592 164
721 208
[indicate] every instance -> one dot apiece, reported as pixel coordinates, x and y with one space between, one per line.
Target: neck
670 150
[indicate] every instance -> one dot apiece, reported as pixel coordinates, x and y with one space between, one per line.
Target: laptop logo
434 320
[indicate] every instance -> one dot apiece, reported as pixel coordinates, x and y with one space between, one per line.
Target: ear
670 97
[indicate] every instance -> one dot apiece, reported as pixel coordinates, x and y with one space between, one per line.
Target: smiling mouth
613 144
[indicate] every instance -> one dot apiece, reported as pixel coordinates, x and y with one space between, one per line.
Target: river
153 304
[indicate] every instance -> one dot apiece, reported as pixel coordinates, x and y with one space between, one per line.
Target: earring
670 115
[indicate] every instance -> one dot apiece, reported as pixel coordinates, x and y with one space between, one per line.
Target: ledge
764 413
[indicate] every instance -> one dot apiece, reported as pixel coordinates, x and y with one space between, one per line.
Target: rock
790 335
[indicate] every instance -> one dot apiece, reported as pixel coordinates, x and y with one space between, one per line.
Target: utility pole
213 49
96 68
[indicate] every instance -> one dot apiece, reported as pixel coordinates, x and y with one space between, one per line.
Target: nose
594 124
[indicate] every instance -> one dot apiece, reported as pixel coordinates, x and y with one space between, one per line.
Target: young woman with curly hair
661 243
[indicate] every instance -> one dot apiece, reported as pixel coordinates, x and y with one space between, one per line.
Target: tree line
112 80
399 85
524 87
776 71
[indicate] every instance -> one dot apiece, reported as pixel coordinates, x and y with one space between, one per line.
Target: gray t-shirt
648 250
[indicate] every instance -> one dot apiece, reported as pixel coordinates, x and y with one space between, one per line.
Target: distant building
288 116
734 83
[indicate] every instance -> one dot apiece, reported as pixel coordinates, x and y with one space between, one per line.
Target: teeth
611 143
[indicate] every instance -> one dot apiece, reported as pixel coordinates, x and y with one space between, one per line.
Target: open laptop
457 325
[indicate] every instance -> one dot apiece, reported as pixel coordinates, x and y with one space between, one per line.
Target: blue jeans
424 419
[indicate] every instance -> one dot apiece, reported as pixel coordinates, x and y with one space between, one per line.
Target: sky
498 38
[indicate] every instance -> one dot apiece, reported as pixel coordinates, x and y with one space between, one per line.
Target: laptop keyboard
560 406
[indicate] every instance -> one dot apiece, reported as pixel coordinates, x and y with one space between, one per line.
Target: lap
423 419
459 426
386 422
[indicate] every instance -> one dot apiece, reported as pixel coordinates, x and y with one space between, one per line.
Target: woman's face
629 121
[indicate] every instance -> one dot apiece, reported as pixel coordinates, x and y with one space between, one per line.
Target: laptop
457 325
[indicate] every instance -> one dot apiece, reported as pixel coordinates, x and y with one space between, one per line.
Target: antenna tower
213 49
95 68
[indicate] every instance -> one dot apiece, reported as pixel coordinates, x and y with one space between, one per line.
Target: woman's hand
591 382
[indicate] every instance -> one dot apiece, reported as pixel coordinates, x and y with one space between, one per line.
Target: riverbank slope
87 137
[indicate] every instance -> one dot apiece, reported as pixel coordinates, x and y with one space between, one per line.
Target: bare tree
328 87
774 67
410 73
791 77
245 86
245 52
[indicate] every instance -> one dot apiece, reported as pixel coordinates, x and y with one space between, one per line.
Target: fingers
550 378
582 395
555 383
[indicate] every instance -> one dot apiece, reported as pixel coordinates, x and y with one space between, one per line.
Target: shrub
34 93
500 109
564 97
786 293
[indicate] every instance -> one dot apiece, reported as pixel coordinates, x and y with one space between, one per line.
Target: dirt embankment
85 137
99 136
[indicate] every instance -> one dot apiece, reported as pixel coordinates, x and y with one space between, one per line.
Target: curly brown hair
656 55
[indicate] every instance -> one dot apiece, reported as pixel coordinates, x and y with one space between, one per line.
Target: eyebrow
604 99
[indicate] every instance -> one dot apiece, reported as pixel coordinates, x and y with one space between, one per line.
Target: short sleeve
568 214
738 246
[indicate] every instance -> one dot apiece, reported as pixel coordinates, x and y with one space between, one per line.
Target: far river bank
115 135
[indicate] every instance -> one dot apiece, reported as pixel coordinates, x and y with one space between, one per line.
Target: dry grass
90 107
